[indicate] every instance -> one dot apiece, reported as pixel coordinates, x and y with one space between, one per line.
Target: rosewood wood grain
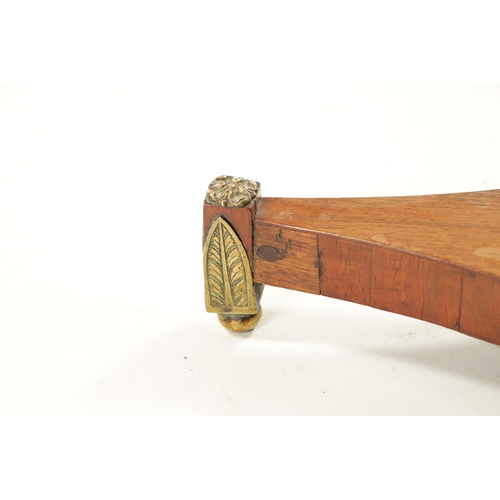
286 258
435 258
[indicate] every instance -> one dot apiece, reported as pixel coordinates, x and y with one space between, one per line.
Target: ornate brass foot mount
230 291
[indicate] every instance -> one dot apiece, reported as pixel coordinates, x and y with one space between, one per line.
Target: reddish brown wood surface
293 264
241 219
435 258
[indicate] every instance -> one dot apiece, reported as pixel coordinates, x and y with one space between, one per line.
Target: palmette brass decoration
228 277
229 191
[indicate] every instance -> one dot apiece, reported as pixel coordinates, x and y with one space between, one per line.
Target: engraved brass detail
228 278
229 191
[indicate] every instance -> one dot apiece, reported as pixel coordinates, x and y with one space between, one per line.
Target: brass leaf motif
214 269
228 278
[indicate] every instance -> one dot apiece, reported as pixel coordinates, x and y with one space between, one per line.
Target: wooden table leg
228 214
435 258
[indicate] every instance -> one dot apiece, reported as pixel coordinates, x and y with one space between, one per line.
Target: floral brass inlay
229 191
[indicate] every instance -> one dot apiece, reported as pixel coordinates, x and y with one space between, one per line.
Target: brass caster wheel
239 323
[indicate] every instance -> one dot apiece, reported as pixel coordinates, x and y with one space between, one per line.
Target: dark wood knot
270 253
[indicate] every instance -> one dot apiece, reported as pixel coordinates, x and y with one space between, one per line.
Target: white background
100 302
